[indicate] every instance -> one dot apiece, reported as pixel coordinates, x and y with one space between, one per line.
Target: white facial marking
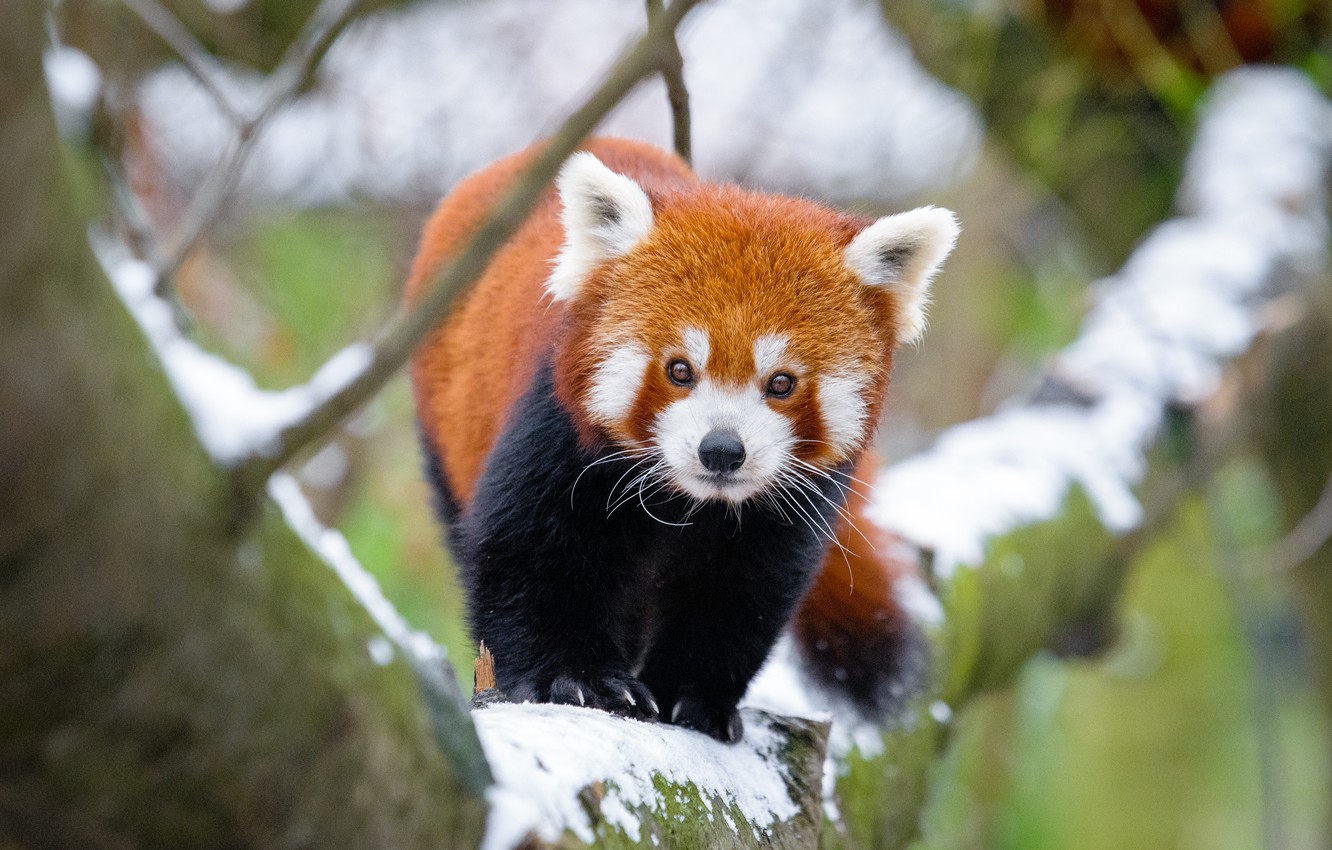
605 215
697 347
766 435
615 384
842 403
769 353
902 253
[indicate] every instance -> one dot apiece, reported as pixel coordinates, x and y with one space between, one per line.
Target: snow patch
226 7
233 418
74 82
543 755
918 601
941 711
381 651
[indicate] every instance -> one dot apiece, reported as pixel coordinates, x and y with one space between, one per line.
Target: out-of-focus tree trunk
167 680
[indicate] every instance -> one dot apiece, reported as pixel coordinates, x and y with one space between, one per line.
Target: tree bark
166 679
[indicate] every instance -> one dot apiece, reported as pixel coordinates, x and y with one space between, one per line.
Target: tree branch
291 77
1304 540
167 683
196 59
397 342
672 72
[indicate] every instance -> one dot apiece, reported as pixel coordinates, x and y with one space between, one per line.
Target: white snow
918 601
380 649
233 418
74 81
941 711
226 7
1188 299
804 96
543 755
332 547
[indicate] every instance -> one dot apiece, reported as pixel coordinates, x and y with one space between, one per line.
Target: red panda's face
733 342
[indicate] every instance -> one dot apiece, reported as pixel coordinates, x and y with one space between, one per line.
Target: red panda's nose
722 452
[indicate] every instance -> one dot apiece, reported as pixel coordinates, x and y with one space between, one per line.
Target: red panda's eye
680 373
780 385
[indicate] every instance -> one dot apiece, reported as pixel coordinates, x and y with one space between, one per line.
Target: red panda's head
733 338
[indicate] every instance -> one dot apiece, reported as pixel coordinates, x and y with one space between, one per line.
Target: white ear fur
605 215
901 253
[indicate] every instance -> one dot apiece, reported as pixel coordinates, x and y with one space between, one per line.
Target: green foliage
1156 745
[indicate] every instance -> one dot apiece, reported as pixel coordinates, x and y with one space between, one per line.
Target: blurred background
1057 129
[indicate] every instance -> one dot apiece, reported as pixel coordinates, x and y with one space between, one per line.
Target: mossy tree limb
166 681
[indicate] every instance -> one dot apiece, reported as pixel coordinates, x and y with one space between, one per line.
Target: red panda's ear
605 215
901 253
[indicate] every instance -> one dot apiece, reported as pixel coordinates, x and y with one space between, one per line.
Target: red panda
648 428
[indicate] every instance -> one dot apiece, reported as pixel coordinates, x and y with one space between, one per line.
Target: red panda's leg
729 588
551 584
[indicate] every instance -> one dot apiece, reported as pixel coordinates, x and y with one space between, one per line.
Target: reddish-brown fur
471 371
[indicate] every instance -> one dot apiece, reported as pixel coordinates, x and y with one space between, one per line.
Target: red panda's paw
622 695
724 724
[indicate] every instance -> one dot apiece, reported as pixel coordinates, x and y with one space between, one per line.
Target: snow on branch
233 418
545 757
1188 299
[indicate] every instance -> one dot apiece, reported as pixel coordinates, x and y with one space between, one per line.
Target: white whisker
625 453
632 467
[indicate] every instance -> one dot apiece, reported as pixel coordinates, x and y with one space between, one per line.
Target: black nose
722 451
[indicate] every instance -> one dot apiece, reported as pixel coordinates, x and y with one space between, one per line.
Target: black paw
724 724
617 694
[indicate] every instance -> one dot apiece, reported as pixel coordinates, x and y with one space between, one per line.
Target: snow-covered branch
1188 300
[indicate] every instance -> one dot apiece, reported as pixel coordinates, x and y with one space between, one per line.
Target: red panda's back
469 373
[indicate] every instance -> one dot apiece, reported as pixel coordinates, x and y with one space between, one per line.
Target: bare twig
396 342
196 59
291 77
672 72
1304 540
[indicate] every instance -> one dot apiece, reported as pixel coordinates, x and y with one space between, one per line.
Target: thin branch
672 72
292 76
1304 540
1263 685
397 342
197 60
